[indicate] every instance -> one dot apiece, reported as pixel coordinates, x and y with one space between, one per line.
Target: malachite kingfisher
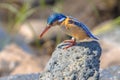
71 26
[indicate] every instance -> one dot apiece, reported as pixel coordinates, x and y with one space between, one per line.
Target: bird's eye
51 23
70 22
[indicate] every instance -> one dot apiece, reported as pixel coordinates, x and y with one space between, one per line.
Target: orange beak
45 30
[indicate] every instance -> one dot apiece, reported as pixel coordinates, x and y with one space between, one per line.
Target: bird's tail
94 37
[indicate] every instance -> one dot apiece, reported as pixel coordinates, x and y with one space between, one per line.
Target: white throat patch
61 20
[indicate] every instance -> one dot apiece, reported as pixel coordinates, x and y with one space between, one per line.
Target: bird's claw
72 43
69 41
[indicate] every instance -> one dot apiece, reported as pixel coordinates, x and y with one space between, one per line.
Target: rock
109 32
112 36
80 62
110 43
34 76
16 56
6 39
14 60
38 64
110 73
3 37
107 59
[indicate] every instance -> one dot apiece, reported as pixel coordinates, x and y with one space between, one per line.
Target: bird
71 26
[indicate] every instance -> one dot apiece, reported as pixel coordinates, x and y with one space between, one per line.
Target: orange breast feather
73 30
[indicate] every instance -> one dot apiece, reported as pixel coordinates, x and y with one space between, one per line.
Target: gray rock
3 37
80 62
6 39
110 73
108 36
23 77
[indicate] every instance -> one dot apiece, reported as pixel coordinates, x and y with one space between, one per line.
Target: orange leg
72 43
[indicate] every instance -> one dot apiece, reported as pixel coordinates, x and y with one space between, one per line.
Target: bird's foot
72 43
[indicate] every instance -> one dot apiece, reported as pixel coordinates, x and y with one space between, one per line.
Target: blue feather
54 17
60 17
85 28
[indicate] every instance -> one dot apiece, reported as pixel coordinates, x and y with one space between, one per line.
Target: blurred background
22 21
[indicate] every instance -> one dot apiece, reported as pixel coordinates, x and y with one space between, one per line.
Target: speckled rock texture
80 62
34 76
110 73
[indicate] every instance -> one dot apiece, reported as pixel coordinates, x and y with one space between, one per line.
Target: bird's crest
55 17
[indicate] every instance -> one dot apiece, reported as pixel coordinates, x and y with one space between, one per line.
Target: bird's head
54 19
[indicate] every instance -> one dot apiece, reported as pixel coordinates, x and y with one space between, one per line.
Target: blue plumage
55 17
70 26
86 29
61 17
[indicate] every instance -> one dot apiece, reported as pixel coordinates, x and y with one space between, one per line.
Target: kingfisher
71 26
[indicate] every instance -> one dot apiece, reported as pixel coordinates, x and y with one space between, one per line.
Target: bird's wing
84 27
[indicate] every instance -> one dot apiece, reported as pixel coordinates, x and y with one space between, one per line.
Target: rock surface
23 77
110 73
14 60
80 62
110 46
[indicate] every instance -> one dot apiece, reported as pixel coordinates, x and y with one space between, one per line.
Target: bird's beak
45 30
